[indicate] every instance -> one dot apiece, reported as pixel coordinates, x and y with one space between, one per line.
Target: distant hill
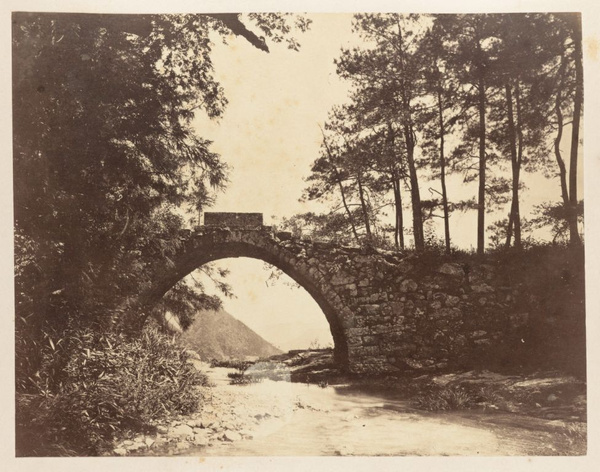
218 335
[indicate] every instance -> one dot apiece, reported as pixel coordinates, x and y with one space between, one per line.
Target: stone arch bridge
387 311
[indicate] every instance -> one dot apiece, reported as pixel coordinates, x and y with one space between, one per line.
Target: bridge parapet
234 220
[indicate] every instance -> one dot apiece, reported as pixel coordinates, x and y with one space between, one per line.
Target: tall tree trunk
414 189
519 129
443 173
509 228
578 101
482 165
396 238
399 220
339 182
348 212
363 205
514 220
409 140
559 132
399 227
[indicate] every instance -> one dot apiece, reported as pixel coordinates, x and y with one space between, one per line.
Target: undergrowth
111 386
575 435
456 397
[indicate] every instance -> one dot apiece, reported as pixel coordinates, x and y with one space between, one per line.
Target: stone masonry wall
396 312
419 312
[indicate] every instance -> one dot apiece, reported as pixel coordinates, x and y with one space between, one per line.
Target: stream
309 420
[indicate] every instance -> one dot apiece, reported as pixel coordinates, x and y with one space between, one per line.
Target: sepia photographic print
257 232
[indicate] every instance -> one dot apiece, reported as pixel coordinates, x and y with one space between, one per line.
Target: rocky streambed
229 413
514 415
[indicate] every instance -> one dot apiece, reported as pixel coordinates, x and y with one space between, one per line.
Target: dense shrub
111 385
240 378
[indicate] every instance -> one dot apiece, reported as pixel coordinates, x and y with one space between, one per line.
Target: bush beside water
456 397
112 386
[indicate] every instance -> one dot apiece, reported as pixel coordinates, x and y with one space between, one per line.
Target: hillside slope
215 334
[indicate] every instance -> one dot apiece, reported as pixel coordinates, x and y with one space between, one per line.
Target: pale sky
270 131
270 136
283 314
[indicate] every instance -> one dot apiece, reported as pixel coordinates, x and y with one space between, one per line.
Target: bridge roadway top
237 220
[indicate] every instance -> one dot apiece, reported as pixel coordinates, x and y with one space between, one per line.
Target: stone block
370 310
371 350
436 305
369 340
414 364
349 321
405 349
392 339
356 351
479 334
364 282
396 307
381 329
341 278
232 436
315 274
375 321
408 285
181 431
378 297
404 267
452 269
351 289
482 288
358 331
312 261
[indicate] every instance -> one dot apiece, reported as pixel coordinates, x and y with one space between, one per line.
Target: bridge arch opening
212 246
271 304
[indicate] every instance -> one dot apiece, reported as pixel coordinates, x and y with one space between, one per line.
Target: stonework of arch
388 312
209 244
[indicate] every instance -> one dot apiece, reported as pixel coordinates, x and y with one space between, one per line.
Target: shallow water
316 421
